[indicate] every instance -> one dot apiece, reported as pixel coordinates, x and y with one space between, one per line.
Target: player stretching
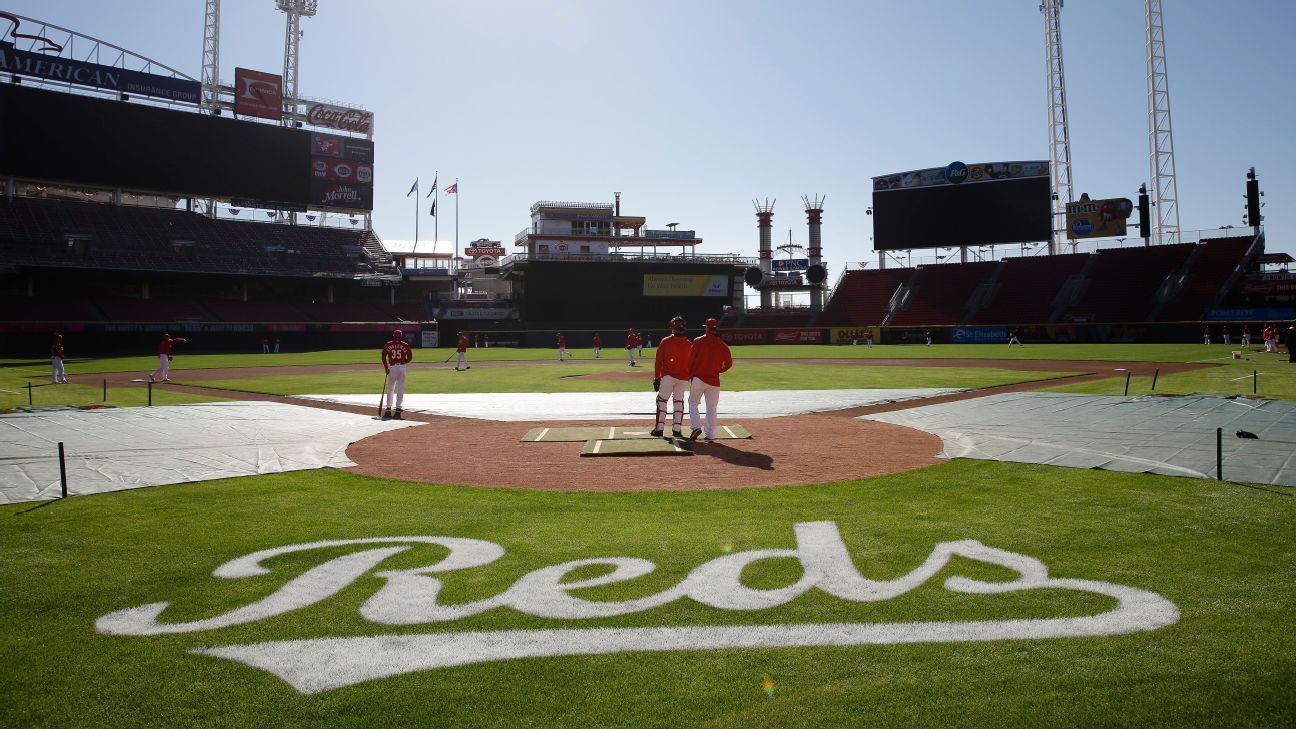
164 358
396 353
709 358
671 375
462 357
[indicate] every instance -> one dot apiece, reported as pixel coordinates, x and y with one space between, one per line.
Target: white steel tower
211 56
1059 131
295 9
1161 164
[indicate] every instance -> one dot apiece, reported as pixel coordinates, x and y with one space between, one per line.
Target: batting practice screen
918 210
67 138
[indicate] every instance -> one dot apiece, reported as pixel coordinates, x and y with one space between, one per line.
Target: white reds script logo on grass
409 597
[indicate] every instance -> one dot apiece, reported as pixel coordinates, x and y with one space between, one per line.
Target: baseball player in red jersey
461 359
58 376
632 341
708 358
396 353
164 358
562 347
671 376
598 345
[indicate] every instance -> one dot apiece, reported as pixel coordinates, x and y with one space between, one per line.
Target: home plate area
626 441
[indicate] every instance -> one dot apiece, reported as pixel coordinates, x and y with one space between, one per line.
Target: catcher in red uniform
671 376
396 353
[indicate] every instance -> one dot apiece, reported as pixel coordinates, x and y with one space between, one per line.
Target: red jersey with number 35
397 351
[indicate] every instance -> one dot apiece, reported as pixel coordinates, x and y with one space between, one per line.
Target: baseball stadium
1033 464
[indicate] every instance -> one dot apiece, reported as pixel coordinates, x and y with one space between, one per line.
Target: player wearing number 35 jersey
709 357
396 353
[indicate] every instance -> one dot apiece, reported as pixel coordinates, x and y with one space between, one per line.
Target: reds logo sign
258 94
412 597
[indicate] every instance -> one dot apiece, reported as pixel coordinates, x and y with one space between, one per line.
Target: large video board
74 139
963 205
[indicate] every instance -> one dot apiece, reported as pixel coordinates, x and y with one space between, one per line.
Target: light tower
765 219
1160 137
296 10
211 57
814 216
1059 130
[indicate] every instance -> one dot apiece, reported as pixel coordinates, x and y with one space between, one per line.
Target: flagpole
456 251
416 217
436 223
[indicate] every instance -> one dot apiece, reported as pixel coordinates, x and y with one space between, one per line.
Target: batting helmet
678 323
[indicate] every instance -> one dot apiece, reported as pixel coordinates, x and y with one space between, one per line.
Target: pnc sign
411 597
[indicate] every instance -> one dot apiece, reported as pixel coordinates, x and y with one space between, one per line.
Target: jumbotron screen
963 205
73 139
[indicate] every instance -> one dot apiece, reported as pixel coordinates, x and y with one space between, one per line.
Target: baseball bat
383 396
452 354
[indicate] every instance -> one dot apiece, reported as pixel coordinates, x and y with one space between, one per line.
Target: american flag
452 189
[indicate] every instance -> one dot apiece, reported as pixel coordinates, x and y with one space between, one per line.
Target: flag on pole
413 189
453 189
434 187
433 213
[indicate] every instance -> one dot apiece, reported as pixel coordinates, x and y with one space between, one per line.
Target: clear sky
692 108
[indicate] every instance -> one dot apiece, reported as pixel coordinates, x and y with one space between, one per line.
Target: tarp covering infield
547 406
124 448
1174 436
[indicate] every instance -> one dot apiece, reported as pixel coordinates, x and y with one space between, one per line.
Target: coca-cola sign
340 117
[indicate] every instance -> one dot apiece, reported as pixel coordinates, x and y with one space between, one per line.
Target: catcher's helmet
678 323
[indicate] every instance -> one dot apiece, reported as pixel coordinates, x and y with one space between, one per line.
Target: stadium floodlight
295 10
298 7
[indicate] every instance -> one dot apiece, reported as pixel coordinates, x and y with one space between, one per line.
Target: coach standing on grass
57 376
709 358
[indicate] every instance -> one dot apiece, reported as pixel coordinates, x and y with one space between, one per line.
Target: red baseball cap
398 334
712 323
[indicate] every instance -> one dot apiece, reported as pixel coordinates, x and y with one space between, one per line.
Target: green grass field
567 377
1224 553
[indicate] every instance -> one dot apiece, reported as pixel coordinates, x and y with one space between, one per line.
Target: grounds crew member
396 353
709 357
57 376
164 358
462 349
671 376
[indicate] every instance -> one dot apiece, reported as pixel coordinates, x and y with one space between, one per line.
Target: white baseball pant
396 384
671 389
697 391
461 359
58 375
163 368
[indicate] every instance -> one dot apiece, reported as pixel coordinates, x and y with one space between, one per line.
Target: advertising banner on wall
848 335
1104 218
341 173
671 284
798 336
979 335
84 73
350 196
257 93
743 336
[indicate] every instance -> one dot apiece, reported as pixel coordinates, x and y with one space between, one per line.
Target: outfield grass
567 378
13 391
1274 378
1223 553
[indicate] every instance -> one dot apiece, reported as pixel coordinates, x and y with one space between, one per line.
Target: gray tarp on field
124 448
547 406
1167 435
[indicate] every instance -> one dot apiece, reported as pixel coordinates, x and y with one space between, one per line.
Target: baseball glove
656 384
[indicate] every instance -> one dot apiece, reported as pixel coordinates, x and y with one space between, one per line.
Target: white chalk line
541 436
